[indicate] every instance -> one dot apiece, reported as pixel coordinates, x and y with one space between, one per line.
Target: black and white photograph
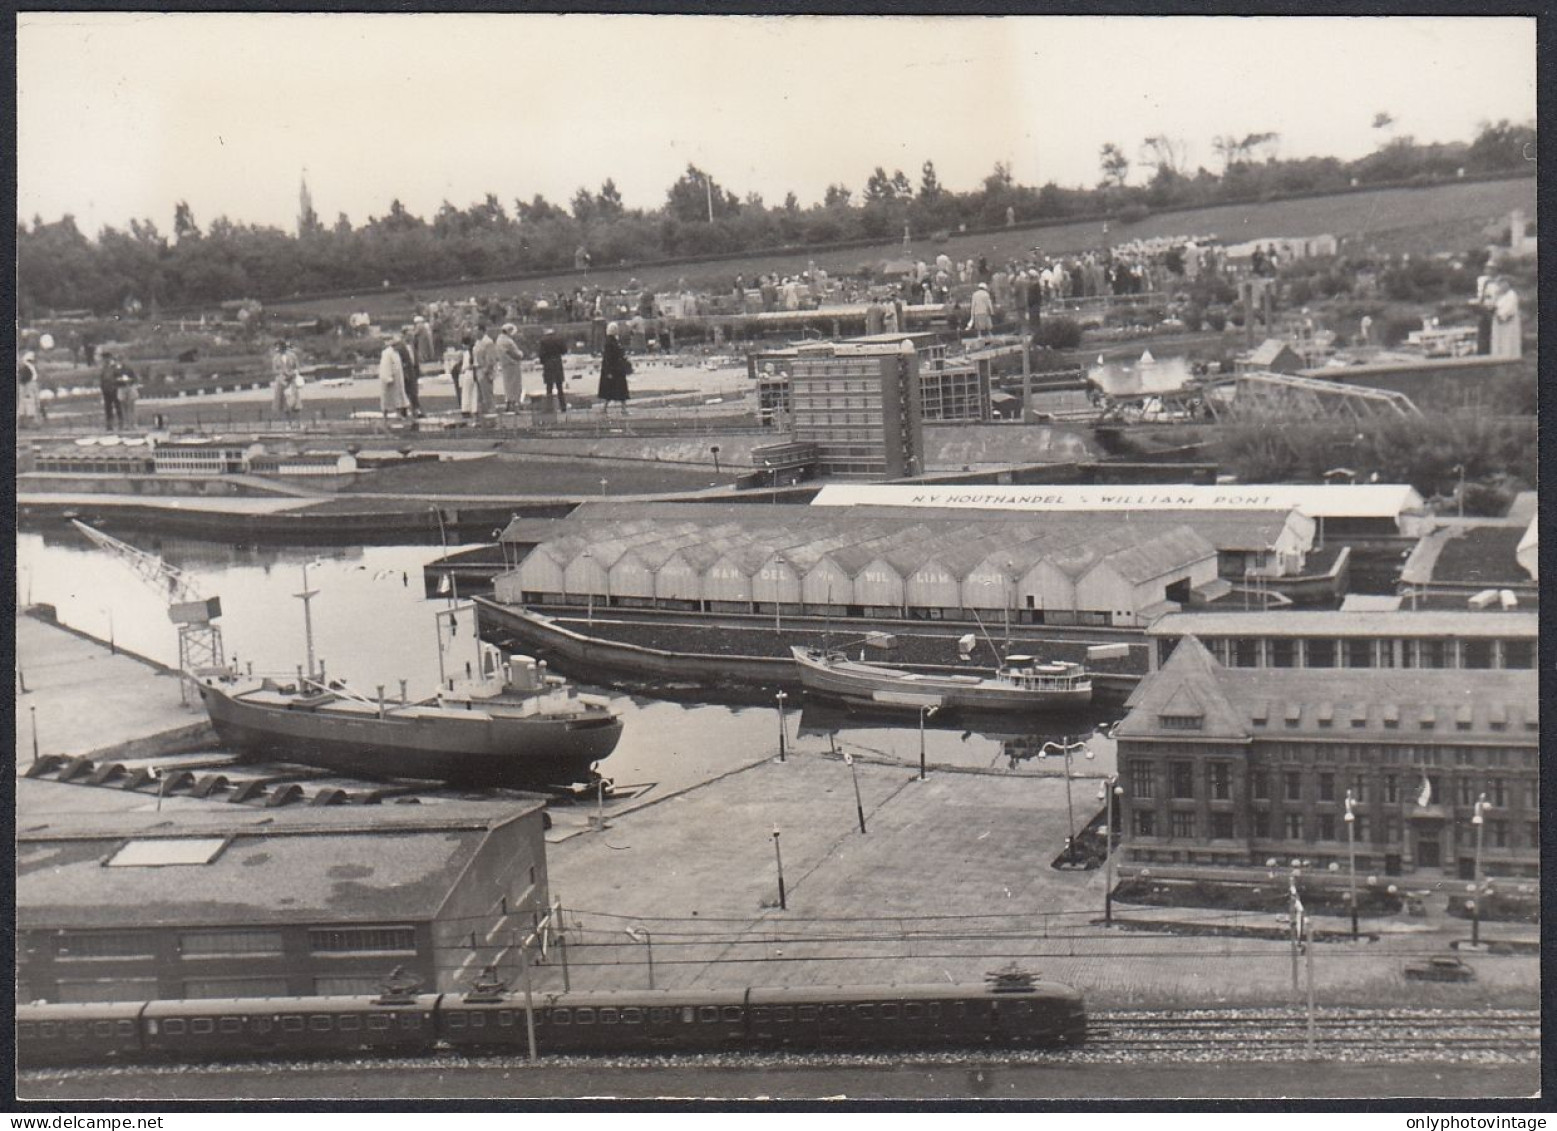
567 558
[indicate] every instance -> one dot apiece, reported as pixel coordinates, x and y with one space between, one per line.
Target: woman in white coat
1507 329
464 373
391 380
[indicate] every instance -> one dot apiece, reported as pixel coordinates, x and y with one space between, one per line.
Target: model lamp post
1351 859
1065 748
1296 915
1107 791
859 805
1482 805
640 934
783 736
778 859
925 712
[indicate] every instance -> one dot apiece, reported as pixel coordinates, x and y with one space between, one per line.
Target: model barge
1019 685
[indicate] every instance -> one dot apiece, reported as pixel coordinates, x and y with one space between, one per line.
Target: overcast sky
121 115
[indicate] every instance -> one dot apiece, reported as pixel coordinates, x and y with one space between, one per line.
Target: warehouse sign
1372 500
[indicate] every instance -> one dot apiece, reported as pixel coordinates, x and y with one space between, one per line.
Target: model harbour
969 638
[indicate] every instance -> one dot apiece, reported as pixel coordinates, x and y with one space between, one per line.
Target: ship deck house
1234 766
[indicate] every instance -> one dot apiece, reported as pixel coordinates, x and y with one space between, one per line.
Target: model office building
860 406
1226 766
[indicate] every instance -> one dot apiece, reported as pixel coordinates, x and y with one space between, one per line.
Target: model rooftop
1455 705
1330 622
83 870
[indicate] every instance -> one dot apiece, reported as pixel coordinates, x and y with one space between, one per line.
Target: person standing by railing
981 319
485 354
1507 327
391 380
551 352
286 379
27 401
614 371
510 366
411 367
108 384
128 394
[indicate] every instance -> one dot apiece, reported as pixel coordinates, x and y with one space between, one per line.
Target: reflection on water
1029 744
372 625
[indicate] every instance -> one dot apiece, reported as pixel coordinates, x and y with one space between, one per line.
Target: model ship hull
834 677
473 748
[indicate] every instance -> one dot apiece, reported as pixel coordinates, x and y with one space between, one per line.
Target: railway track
1352 1034
1356 1036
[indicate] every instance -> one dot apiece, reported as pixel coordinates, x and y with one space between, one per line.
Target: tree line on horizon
141 268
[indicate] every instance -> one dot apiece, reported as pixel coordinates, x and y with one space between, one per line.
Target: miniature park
1163 456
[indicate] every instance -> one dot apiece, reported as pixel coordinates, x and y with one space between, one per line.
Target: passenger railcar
1004 1013
216 1028
96 1033
803 1018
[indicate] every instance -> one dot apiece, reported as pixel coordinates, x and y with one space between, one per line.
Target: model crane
199 636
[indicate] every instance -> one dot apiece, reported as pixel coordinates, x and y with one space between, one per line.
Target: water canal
373 625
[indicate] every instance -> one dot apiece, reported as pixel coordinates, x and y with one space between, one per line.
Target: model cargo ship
513 724
1021 684
507 723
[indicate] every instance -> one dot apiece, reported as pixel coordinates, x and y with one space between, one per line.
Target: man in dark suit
551 351
413 370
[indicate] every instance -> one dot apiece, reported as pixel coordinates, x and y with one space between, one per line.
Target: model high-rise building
859 404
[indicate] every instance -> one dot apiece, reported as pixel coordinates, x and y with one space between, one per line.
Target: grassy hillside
1447 217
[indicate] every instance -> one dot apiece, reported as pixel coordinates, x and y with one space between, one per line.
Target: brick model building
144 905
1233 766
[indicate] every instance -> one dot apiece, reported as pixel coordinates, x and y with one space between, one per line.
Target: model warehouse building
136 906
1088 555
845 562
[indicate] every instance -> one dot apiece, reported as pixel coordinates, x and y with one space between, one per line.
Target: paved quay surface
952 880
86 696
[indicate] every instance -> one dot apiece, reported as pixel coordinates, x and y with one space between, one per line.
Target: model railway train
1027 1012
